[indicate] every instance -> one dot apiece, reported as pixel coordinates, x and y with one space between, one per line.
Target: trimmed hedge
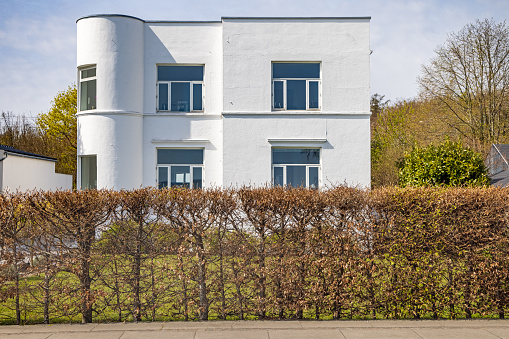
254 253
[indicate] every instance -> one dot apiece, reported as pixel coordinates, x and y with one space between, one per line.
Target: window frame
307 166
83 80
285 94
80 167
191 168
191 90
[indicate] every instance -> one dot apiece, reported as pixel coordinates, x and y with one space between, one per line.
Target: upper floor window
179 167
296 167
296 86
88 89
180 88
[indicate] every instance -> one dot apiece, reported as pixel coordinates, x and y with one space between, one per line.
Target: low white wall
24 174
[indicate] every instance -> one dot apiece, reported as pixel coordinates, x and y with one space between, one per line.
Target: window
179 167
180 88
88 172
295 86
296 167
88 89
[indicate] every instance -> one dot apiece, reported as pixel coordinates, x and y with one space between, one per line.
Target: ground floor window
179 168
296 167
88 172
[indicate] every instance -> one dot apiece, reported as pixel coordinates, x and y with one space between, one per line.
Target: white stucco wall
250 47
237 128
24 174
113 131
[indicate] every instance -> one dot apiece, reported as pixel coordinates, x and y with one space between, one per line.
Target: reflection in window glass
295 86
179 156
278 176
180 88
87 89
278 95
296 156
296 94
88 172
296 167
197 97
313 94
296 176
313 177
180 176
163 177
183 168
197 179
163 97
180 97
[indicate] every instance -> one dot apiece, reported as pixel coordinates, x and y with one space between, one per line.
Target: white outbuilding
24 171
241 101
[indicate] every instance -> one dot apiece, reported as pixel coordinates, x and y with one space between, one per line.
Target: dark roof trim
110 15
298 18
12 150
225 18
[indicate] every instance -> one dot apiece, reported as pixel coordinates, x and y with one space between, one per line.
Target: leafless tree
469 76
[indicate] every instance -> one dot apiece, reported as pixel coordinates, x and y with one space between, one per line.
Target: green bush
448 164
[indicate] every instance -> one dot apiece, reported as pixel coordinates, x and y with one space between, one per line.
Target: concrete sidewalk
463 329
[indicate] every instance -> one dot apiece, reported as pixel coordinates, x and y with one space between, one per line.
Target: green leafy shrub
448 164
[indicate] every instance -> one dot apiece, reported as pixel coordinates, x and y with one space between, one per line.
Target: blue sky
38 37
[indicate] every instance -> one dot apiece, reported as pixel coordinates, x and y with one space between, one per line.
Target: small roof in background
13 150
500 178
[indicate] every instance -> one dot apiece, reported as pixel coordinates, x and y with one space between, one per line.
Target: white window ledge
181 142
309 142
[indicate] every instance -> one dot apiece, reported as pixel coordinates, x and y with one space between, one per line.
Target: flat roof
12 150
227 18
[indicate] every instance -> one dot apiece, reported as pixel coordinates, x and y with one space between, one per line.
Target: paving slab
232 334
306 334
87 335
7 329
449 333
158 334
334 323
379 333
268 324
501 332
53 328
197 325
141 326
27 336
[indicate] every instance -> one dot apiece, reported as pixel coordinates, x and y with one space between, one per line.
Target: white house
239 101
23 171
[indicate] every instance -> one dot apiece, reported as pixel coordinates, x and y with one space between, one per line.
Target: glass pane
278 94
296 176
197 179
162 177
295 156
180 176
278 176
313 94
163 97
180 93
180 156
296 94
89 172
296 70
87 73
313 177
87 100
197 97
180 73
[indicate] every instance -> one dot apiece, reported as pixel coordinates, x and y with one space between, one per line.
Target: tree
447 164
60 125
469 76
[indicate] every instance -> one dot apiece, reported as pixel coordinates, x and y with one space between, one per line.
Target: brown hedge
253 253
